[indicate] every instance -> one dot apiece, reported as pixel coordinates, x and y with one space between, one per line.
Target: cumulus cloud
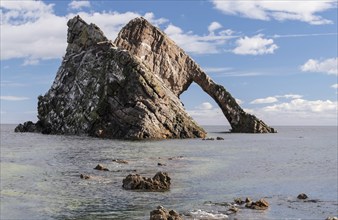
205 106
264 100
256 45
298 111
329 66
13 98
214 26
79 4
273 99
193 43
26 30
305 106
305 11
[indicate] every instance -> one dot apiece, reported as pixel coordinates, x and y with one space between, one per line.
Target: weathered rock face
105 91
160 182
128 91
168 61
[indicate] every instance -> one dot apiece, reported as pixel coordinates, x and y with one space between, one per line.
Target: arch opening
203 108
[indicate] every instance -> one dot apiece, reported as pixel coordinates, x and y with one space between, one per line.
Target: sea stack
129 89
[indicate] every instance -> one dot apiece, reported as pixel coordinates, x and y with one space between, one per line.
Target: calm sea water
40 175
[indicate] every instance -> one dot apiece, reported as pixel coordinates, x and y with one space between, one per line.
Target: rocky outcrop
160 182
128 89
169 62
105 91
160 213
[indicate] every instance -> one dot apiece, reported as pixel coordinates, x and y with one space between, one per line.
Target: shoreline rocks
160 182
160 213
302 196
101 167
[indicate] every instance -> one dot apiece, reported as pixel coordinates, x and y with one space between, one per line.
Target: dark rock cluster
160 213
160 182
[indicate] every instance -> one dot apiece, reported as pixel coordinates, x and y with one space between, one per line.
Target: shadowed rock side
105 91
164 58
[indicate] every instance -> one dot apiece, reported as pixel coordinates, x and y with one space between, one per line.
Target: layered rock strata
105 91
128 89
178 70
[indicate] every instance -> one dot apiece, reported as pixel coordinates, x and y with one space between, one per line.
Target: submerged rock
302 196
160 213
261 204
84 176
101 167
160 182
120 161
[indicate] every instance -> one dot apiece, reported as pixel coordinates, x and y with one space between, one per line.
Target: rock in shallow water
160 182
101 167
302 196
261 204
160 213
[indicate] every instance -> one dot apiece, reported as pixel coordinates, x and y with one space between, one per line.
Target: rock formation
168 61
160 182
160 213
128 89
105 91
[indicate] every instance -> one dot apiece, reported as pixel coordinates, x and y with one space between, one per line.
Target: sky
277 58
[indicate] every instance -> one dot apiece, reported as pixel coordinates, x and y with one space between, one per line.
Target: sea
40 175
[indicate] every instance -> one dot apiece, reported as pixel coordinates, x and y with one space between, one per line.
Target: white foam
204 215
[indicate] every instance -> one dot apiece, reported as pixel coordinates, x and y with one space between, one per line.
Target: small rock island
129 88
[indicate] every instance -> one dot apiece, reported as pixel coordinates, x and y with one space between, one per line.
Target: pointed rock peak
80 34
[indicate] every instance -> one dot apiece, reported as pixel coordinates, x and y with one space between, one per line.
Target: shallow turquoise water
40 174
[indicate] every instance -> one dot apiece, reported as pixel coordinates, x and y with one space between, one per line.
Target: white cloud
31 61
289 96
26 30
13 98
299 112
19 12
256 45
190 42
264 100
79 4
216 69
305 11
205 106
214 26
335 86
329 66
273 99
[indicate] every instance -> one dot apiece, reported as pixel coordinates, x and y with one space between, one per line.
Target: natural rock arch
129 89
178 70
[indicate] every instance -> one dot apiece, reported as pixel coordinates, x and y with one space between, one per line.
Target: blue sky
277 58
